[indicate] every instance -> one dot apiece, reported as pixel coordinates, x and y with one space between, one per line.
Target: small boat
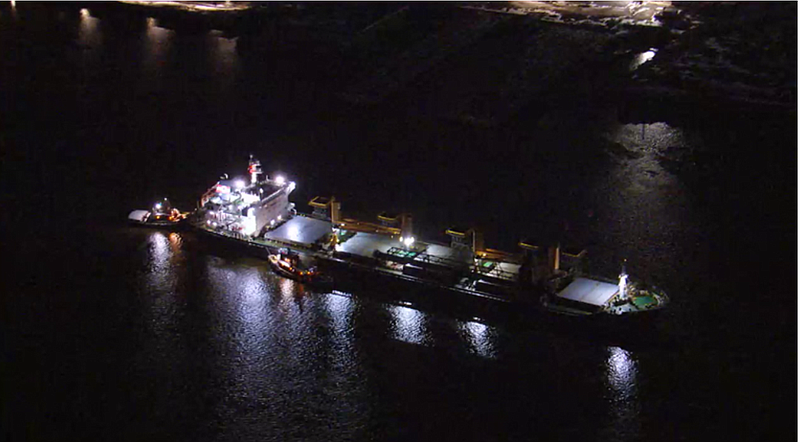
162 214
287 263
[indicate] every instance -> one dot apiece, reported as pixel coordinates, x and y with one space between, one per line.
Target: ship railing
401 255
495 272
269 242
442 261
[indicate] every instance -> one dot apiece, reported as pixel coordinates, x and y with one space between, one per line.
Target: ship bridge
249 209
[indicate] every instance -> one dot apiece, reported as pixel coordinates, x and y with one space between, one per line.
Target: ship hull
228 243
168 225
524 306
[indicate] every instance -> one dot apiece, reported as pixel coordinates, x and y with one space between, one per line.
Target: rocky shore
744 54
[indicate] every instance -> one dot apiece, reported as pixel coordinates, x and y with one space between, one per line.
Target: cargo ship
255 213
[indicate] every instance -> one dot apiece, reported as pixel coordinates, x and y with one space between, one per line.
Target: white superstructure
247 208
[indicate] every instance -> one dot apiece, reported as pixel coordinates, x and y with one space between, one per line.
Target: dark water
113 333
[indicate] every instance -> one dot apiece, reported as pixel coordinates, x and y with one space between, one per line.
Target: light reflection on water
163 302
251 300
344 354
158 41
623 394
88 33
276 355
408 325
272 346
224 57
340 307
480 337
622 372
643 203
241 326
645 143
287 287
242 296
164 250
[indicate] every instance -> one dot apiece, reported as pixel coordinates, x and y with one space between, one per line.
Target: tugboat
162 214
287 263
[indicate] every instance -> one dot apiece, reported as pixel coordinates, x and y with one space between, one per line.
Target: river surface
118 333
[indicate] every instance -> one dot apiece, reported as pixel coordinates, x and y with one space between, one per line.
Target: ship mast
623 281
254 169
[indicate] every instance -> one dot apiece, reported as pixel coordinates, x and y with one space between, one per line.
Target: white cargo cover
589 291
138 215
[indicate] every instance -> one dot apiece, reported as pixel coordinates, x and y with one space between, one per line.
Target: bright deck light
239 184
294 233
408 241
249 227
279 180
623 285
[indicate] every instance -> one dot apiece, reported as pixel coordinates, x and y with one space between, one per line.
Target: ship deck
365 244
301 229
435 255
589 291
